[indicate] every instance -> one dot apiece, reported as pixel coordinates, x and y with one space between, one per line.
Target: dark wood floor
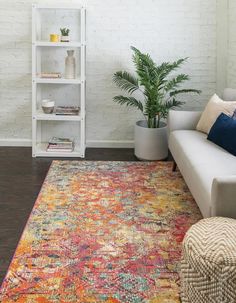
21 178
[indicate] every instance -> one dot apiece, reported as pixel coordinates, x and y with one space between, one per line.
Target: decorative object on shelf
159 93
67 110
70 65
60 145
54 38
65 34
50 75
48 106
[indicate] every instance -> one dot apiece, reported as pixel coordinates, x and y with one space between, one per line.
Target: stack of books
50 75
67 110
60 145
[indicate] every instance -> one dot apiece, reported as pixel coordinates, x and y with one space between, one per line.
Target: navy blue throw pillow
223 133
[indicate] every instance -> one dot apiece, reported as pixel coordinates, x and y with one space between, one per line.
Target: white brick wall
231 81
167 29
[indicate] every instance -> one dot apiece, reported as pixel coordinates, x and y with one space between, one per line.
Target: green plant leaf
170 104
145 68
126 81
129 101
166 68
184 91
65 31
175 82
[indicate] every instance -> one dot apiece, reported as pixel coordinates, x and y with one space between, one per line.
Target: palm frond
144 58
170 104
145 67
176 64
184 91
126 81
173 103
175 82
129 101
166 67
135 50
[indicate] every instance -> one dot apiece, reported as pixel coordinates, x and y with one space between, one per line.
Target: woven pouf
208 265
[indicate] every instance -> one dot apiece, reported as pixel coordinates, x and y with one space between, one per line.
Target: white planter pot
65 39
150 143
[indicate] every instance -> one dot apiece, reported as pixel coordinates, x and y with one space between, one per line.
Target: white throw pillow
214 108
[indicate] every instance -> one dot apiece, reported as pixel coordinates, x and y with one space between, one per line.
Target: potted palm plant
159 93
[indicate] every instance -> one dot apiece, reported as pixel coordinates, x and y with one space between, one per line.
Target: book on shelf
57 144
59 140
50 75
67 110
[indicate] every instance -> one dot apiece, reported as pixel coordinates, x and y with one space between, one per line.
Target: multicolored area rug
103 232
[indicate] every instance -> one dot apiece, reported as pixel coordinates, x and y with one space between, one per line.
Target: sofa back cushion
214 108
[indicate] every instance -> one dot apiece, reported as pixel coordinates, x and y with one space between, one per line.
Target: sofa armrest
223 197
182 120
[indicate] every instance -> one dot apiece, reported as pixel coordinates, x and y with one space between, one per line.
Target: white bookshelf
63 91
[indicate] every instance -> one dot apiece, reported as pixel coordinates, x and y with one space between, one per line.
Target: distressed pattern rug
103 232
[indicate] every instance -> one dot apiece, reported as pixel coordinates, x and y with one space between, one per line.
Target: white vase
150 143
70 70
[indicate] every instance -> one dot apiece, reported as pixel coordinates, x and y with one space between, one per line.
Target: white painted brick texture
231 81
167 29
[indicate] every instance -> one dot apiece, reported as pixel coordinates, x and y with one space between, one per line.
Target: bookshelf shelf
50 56
58 44
57 81
41 151
40 116
62 7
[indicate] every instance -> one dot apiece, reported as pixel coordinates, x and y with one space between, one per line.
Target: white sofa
209 170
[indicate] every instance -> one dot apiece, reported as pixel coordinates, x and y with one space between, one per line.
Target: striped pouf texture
208 265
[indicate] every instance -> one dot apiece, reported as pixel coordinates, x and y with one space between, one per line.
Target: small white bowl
48 106
48 103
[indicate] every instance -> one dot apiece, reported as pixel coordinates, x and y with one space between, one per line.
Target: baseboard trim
90 143
110 144
16 142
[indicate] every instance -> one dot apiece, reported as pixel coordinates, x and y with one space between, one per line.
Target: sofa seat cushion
200 161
